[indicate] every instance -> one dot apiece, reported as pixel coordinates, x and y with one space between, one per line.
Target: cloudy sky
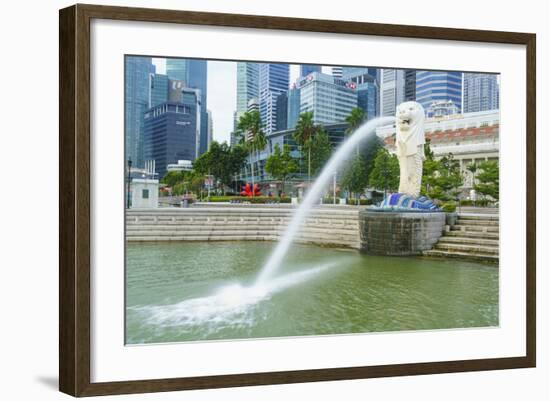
222 92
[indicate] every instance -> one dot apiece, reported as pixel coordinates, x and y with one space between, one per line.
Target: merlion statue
409 143
409 149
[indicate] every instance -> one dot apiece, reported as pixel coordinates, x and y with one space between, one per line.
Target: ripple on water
185 292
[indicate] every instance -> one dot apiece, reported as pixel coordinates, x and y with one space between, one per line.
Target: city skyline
176 107
222 98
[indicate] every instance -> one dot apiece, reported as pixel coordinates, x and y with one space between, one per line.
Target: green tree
451 175
430 167
172 178
320 149
237 159
441 179
252 135
281 165
179 188
355 178
221 161
354 120
385 171
303 136
488 179
193 182
259 144
472 168
369 151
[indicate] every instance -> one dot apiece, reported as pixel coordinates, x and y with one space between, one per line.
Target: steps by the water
474 236
326 226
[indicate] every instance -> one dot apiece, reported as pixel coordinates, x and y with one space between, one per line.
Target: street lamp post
129 179
385 174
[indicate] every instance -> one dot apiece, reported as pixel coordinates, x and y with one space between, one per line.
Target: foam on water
312 197
230 305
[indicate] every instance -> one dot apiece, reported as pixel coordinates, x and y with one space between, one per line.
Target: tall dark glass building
282 112
194 73
172 129
136 100
410 85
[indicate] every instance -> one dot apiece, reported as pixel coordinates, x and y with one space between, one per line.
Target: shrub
362 202
479 202
449 207
252 200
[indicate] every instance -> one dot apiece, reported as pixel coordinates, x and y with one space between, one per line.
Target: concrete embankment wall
330 226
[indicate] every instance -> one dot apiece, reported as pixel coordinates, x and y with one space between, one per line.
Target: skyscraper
136 101
392 90
253 105
367 88
176 68
348 72
248 77
306 69
282 112
337 72
293 106
274 80
172 129
158 89
410 85
439 86
481 92
194 73
330 99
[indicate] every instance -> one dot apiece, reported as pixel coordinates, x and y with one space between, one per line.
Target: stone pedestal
399 233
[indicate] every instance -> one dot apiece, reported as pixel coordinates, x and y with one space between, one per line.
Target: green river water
188 291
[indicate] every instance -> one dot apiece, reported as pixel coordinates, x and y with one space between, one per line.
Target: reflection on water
206 291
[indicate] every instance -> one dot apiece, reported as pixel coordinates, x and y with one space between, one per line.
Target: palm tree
252 136
260 142
303 135
354 120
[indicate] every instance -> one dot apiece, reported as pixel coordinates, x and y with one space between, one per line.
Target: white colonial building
470 137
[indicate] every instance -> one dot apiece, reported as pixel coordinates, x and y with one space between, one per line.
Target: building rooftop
461 134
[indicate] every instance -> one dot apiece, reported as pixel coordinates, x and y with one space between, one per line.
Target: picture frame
76 208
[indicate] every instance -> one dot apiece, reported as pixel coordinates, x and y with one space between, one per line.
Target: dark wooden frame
74 199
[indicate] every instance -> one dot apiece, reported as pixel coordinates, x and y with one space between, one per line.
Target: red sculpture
247 190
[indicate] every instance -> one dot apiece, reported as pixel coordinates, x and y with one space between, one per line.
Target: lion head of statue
409 121
409 115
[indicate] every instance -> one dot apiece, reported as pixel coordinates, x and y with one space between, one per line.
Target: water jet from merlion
312 196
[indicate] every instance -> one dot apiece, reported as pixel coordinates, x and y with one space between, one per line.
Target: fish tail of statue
410 180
